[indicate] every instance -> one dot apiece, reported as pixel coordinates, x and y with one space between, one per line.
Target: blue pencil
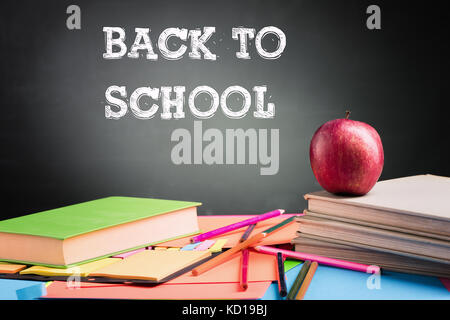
247 232
280 275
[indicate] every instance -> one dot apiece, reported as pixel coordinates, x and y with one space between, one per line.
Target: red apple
346 156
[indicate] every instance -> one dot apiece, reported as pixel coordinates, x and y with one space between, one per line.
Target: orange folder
59 289
208 223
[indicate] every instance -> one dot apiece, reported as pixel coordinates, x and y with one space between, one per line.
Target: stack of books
400 225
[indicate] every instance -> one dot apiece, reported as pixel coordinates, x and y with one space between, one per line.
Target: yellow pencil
306 281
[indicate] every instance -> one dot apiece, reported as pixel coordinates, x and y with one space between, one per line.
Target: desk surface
339 284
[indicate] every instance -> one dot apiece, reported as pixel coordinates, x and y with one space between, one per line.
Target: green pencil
298 281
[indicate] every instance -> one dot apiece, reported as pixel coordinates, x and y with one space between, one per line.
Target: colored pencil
302 291
243 281
236 225
240 246
281 278
298 281
247 232
322 260
227 254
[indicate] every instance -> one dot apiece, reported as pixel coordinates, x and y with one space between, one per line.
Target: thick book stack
401 225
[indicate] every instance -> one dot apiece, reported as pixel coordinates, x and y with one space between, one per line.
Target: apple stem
347 114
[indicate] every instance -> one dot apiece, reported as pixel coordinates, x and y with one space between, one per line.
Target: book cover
78 219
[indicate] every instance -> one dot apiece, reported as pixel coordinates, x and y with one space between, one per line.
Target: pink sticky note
127 254
204 245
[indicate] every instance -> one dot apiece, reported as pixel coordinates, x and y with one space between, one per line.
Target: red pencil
244 269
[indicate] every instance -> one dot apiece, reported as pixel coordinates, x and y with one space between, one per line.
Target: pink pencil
244 269
319 259
237 225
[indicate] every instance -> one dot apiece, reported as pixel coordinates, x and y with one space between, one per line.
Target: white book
417 204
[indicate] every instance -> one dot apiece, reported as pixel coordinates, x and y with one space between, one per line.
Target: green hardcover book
84 232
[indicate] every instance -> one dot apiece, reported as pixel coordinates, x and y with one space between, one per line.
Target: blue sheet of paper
331 283
190 247
21 289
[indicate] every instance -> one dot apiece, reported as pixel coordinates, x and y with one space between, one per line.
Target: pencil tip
282 211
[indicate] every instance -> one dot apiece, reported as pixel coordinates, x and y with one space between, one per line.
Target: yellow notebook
83 269
151 264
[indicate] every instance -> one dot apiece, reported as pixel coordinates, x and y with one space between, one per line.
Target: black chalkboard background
57 148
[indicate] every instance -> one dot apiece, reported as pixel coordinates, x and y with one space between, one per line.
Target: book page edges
325 196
